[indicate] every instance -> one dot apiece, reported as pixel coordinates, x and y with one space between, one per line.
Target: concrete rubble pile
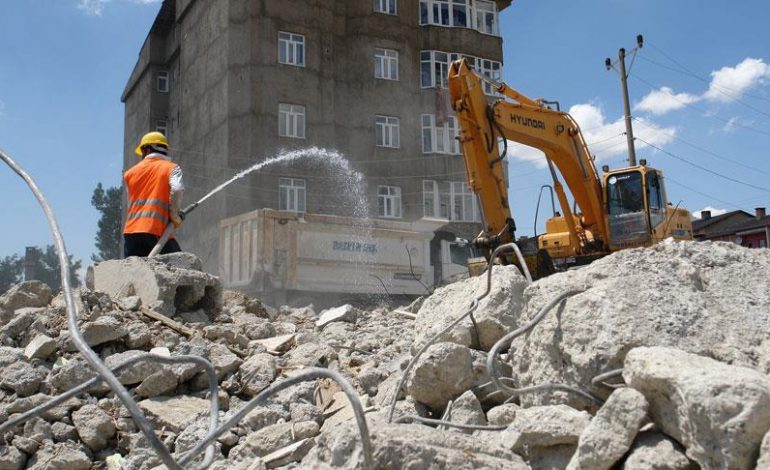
688 324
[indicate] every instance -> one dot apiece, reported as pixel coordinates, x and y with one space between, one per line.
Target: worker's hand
176 219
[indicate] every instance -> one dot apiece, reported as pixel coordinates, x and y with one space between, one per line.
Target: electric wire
701 149
703 168
704 111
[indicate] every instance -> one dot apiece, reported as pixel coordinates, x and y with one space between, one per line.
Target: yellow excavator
621 208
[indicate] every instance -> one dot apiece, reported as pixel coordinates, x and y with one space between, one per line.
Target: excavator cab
638 212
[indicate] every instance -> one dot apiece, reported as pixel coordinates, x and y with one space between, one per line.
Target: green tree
47 268
11 272
109 235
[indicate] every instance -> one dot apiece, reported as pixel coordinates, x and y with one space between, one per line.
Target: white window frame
161 125
291 120
163 81
434 69
451 200
388 7
387 131
385 64
291 49
292 195
440 138
481 10
476 14
389 202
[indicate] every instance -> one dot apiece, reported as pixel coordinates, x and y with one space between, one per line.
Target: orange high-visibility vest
149 196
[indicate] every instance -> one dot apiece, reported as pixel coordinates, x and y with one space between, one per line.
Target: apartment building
234 82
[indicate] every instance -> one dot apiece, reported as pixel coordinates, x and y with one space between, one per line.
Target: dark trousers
141 244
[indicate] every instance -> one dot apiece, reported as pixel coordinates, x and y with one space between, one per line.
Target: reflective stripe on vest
149 193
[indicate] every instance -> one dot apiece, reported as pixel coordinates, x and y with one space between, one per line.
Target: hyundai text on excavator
621 208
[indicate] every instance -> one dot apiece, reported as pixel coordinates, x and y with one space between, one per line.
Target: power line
697 147
702 110
686 71
703 168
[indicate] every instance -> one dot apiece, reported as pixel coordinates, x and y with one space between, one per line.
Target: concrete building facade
235 82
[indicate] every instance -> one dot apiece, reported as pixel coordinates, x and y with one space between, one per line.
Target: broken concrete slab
681 294
466 409
263 442
704 404
653 449
161 382
544 426
611 432
23 378
94 426
167 284
135 373
442 373
26 294
257 373
103 330
344 313
60 456
496 315
277 344
408 446
40 347
175 413
291 453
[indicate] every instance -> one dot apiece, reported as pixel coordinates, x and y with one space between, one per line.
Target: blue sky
700 89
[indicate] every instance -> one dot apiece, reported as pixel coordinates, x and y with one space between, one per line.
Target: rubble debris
704 404
677 296
611 432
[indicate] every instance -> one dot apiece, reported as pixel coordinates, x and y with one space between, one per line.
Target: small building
708 227
740 227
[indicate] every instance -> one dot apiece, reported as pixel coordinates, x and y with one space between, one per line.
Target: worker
155 191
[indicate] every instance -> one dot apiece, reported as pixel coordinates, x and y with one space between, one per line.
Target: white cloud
730 83
96 7
605 139
714 212
664 100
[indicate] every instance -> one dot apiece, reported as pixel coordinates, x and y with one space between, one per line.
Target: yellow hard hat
151 138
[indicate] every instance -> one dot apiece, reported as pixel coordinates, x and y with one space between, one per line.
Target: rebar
505 341
309 374
601 378
443 422
473 306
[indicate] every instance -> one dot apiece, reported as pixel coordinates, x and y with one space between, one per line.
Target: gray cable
505 341
77 338
309 374
442 422
473 306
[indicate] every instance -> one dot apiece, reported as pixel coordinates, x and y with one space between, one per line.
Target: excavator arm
529 122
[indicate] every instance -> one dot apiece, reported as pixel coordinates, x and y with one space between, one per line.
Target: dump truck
298 258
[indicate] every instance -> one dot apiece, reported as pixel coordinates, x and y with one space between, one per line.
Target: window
385 6
161 125
386 130
440 138
386 64
163 81
450 200
389 201
291 121
291 49
291 194
480 15
486 17
434 69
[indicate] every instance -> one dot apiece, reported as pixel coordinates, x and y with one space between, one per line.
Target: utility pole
624 88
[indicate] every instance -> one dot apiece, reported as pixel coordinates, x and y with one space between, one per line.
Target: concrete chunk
175 413
40 347
344 313
612 431
94 426
442 373
703 404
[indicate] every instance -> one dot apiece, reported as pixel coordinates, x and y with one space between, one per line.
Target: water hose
170 230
